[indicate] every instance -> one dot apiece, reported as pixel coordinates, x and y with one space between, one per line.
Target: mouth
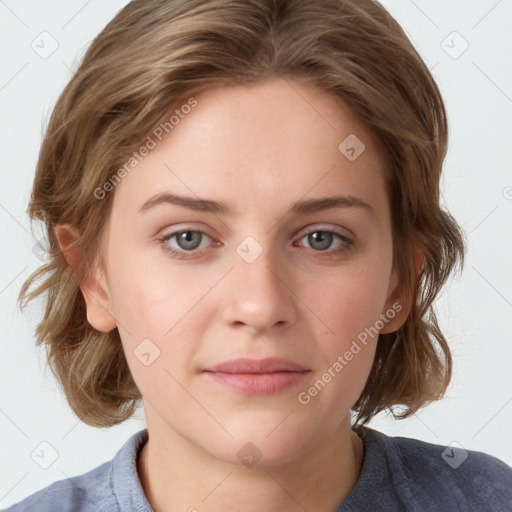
257 376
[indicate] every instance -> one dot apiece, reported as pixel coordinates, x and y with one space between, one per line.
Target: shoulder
113 486
449 474
87 492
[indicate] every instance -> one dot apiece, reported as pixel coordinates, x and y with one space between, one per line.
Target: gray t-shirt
398 474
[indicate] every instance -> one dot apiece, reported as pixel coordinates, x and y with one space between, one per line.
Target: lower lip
258 383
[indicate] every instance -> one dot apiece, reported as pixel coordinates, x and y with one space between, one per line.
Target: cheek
349 309
351 303
149 296
166 305
137 302
151 316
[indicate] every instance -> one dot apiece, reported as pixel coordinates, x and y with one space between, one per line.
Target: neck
176 476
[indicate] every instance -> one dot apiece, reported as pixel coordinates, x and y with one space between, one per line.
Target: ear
398 306
94 287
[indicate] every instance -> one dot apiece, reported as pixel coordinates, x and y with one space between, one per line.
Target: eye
320 240
186 240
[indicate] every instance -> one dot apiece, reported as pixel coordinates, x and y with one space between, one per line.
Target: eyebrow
300 207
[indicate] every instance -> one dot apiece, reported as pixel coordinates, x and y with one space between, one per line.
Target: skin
258 149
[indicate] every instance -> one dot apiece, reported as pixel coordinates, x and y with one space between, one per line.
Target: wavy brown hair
155 53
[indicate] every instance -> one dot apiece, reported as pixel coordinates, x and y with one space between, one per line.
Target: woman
242 203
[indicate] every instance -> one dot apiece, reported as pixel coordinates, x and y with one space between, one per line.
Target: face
271 273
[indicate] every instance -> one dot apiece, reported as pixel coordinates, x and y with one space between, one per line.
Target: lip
257 376
268 365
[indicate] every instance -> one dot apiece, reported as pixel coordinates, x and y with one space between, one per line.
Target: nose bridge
260 264
257 295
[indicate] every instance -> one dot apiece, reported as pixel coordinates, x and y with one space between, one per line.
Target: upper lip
268 365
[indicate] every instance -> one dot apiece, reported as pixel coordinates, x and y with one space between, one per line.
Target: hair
156 53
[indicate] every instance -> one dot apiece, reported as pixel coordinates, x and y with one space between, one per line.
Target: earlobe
395 312
94 286
398 305
418 261
97 297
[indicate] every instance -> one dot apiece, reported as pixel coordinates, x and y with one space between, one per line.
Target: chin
254 447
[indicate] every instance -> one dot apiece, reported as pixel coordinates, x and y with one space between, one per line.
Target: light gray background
475 310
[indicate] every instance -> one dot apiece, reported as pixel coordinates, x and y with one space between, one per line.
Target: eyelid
343 232
186 228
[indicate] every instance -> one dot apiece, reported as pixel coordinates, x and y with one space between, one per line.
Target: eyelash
347 243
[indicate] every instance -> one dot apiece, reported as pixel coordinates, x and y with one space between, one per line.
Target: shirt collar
124 479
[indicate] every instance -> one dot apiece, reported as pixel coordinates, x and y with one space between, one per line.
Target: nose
260 294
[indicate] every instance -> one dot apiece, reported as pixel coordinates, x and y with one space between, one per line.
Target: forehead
259 145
